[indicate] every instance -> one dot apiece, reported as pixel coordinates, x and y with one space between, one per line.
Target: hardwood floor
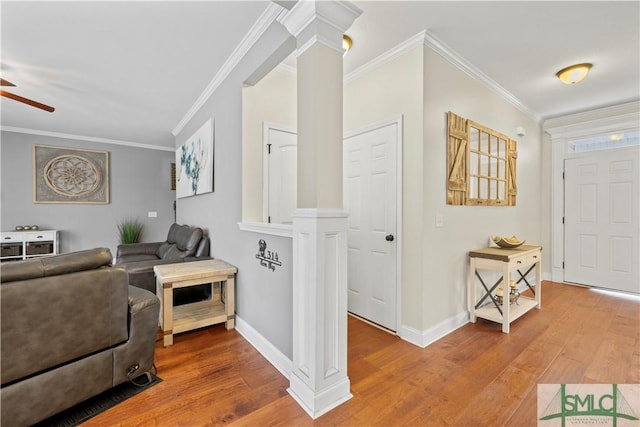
475 376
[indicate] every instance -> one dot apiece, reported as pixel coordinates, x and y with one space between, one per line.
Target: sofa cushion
187 239
173 230
56 265
127 259
175 253
149 248
162 250
40 319
184 243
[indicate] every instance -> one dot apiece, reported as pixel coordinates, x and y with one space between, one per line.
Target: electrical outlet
152 214
439 220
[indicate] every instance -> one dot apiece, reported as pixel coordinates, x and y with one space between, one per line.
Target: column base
319 380
318 403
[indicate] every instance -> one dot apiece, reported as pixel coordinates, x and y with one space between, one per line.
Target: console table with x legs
522 260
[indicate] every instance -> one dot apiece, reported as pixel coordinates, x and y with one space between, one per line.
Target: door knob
389 238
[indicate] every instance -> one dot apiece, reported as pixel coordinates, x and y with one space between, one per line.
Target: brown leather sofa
184 243
72 327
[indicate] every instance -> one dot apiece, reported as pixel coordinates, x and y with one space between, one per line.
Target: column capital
320 21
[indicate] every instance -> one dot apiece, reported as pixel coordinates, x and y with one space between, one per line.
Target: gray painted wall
139 181
263 297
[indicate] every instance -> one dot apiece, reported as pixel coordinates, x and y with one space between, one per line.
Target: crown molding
322 39
387 56
85 138
338 14
323 22
285 68
425 38
459 62
602 120
270 14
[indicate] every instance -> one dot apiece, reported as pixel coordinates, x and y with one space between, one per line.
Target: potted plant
130 231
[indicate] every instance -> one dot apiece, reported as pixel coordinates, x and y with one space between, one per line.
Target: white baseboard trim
416 337
274 356
316 404
557 275
429 336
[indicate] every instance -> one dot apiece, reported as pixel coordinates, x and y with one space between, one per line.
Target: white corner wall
444 249
388 91
419 85
272 99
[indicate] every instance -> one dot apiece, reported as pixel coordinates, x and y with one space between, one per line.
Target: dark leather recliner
184 243
72 327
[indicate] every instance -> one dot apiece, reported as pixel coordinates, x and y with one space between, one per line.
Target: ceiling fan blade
26 101
4 82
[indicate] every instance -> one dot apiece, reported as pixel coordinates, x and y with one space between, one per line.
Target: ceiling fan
22 99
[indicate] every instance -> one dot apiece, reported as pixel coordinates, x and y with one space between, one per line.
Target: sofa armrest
149 248
139 300
144 312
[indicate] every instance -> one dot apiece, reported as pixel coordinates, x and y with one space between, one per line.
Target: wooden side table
195 315
505 261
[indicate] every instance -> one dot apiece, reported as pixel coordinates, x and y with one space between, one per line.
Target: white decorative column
319 380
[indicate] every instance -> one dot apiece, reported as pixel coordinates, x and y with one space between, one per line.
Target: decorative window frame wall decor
481 165
67 175
194 163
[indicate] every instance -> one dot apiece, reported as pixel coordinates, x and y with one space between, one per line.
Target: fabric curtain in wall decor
194 163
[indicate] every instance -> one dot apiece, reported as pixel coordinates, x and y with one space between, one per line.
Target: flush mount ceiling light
346 43
574 73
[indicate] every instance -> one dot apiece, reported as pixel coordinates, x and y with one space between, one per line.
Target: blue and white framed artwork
194 163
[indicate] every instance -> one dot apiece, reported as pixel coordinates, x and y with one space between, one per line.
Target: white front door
370 199
280 173
602 219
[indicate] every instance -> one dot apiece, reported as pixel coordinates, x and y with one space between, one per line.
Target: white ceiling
130 71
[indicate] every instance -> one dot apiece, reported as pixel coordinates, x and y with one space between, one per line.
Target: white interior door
370 199
602 219
280 174
370 165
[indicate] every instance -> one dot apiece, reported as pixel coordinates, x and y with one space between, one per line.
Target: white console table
505 261
19 245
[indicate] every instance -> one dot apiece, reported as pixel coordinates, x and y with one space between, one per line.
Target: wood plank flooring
475 376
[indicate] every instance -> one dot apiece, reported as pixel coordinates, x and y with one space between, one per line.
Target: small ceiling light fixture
574 73
346 43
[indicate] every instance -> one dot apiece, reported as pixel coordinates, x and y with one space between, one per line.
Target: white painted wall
422 86
388 91
444 250
272 99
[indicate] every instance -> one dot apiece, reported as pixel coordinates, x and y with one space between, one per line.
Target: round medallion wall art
71 176
66 175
